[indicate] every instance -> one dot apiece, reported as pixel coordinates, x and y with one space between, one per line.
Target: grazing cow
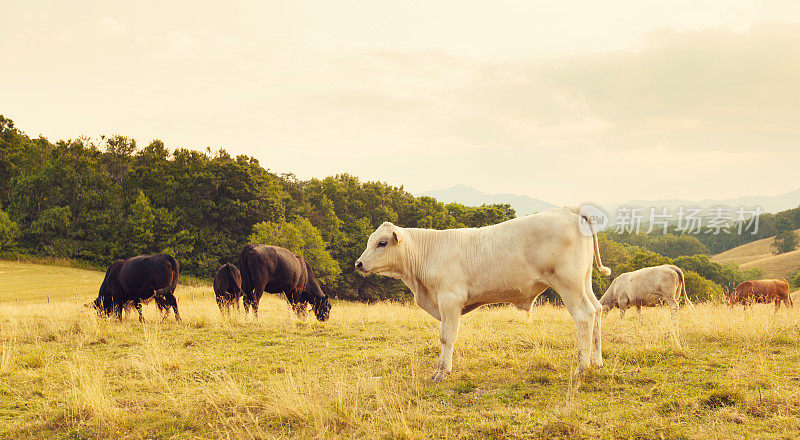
761 291
228 287
646 287
273 269
137 280
454 271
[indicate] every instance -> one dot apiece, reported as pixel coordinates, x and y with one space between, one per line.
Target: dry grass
759 254
720 374
34 282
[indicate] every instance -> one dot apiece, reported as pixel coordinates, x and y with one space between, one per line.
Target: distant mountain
768 204
523 205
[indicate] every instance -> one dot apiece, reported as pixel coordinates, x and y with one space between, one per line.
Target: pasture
65 373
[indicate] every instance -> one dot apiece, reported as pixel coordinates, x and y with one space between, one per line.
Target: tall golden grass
716 373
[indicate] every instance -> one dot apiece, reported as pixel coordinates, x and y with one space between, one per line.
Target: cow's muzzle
361 269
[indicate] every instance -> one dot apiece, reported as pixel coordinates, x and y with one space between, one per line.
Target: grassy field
760 254
65 373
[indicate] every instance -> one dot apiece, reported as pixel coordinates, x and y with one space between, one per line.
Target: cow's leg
170 301
597 346
777 304
639 312
256 299
138 306
673 307
583 313
300 309
450 313
246 303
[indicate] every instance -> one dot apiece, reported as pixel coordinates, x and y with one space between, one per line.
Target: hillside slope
28 281
759 254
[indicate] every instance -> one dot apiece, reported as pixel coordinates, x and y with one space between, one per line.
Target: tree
785 241
794 281
641 259
136 235
9 232
701 289
51 230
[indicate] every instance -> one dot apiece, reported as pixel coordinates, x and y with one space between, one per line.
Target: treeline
99 201
96 201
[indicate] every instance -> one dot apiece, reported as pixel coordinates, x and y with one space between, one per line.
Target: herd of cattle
450 273
144 278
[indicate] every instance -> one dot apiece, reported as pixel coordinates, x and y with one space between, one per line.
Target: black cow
274 269
137 280
228 287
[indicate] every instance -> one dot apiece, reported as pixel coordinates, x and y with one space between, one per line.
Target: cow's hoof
581 370
597 363
439 375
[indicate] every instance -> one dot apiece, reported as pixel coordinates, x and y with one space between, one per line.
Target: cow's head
322 308
608 300
313 294
383 255
608 305
97 304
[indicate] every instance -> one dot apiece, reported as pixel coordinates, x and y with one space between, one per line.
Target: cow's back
272 268
143 274
503 262
227 279
649 285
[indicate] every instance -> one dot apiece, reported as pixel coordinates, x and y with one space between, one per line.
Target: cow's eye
382 243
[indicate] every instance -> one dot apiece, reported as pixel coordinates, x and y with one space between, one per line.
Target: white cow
650 286
454 271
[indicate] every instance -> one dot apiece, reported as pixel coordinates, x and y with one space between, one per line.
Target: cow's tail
789 293
603 269
682 286
175 271
244 269
232 278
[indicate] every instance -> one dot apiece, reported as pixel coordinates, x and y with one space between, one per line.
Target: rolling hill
525 205
759 254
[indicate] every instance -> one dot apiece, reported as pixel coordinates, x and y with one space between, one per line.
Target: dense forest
100 200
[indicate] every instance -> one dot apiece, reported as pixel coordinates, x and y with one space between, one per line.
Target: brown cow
761 291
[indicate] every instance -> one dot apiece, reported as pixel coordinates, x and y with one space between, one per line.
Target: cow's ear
396 238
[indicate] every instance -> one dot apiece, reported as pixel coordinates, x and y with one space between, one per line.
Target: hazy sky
565 101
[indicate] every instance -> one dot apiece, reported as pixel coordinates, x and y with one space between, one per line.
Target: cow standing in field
274 269
138 280
647 287
228 287
762 291
454 271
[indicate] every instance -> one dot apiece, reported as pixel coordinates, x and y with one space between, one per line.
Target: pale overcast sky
565 101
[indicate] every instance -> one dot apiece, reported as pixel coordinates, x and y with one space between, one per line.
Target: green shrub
701 289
